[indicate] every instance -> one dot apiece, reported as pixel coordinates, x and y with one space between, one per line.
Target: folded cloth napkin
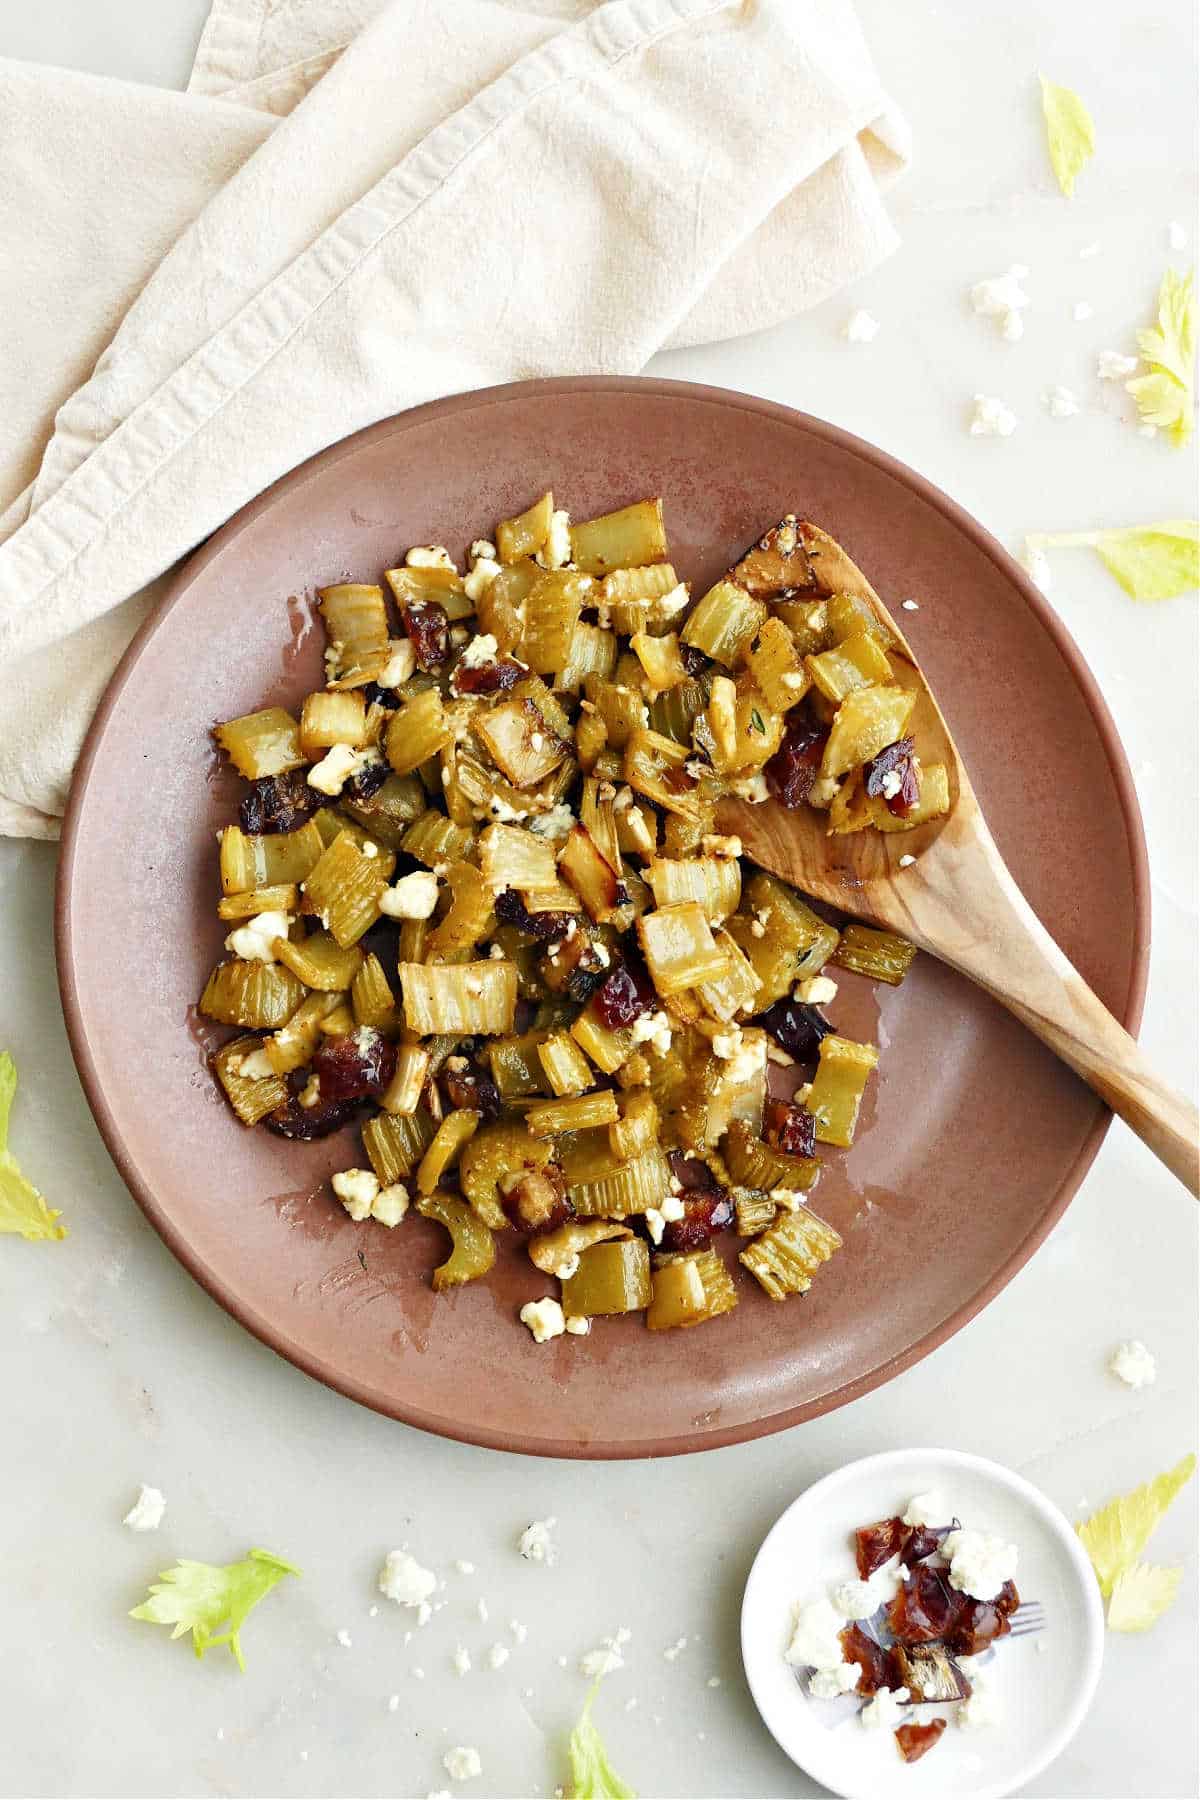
359 206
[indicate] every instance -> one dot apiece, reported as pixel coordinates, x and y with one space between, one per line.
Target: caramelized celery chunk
371 996
633 1187
661 659
679 947
725 623
848 615
520 740
689 1290
434 839
789 1253
552 612
258 995
858 661
455 1130
753 1212
608 1046
404 1090
564 1065
356 626
516 1065
713 882
478 997
629 538
611 1278
866 722
347 884
473 1248
294 1043
492 1160
254 862
320 961
261 743
470 916
777 666
527 532
598 884
396 1144
933 802
390 810
734 992
790 943
418 730
328 719
754 1164
251 1097
879 954
577 1113
516 859
838 1088
637 1128
284 897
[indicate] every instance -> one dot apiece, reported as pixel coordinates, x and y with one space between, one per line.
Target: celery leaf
1141 1595
22 1208
1070 134
198 1597
1167 396
1151 562
1115 1537
592 1775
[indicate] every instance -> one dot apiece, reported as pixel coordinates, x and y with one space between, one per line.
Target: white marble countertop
118 1369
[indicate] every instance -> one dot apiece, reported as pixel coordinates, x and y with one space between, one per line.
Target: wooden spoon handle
1008 951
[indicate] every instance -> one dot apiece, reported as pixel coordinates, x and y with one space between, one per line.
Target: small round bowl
1044 1681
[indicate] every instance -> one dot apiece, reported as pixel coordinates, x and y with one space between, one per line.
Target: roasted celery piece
777 667
867 721
688 1290
607 1048
441 585
881 955
519 741
753 1164
356 626
328 719
850 809
403 1092
256 862
557 898
250 1099
576 1113
501 607
637 1128
674 714
857 662
473 1247
447 1142
643 1182
258 995
611 1278
419 729
597 883
551 1251
372 998
469 919
261 743
734 992
564 1065
516 859
344 888
725 623
746 729
838 1087
526 533
284 898
330 825
655 766
434 839
320 961
340 1021
551 614
476 997
714 883
788 1254
396 1144
621 708
516 1065
933 802
793 943
592 651
637 827
293 1044
679 948
847 615
808 622
620 540
497 1154
662 660
389 811
754 1212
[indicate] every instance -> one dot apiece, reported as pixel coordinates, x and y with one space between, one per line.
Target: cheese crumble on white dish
980 1562
885 1710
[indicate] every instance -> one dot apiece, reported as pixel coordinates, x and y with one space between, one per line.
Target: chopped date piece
914 1740
877 1665
356 1066
278 803
511 910
693 660
927 1609
537 1200
790 1128
366 780
798 1029
429 628
494 677
625 996
472 1091
876 1544
704 1214
374 695
895 760
981 1622
679 780
793 768
291 1120
692 1175
921 1543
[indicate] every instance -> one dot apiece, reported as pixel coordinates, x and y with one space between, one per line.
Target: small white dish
1044 1681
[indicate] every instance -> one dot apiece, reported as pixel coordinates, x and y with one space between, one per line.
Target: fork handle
1008 951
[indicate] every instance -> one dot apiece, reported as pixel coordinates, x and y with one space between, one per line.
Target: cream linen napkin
368 205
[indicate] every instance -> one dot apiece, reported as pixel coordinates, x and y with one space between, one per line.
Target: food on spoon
477 902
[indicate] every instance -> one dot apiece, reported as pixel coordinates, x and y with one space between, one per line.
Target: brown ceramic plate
974 1138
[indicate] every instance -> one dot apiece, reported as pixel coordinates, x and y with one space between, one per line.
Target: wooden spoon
958 901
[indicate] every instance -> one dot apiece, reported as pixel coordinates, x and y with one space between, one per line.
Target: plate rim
271 1333
1055 1520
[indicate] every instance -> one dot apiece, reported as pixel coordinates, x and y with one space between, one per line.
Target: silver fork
1028 1618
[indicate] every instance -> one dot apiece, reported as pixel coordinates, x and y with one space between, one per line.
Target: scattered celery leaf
22 1208
1141 1594
198 1597
1070 134
1167 396
592 1775
1151 562
1115 1537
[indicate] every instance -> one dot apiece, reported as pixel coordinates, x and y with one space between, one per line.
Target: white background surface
117 1369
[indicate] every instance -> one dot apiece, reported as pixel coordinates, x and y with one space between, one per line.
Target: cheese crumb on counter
1003 298
1060 402
146 1513
1133 1364
462 1763
403 1580
992 418
1113 365
861 327
461 1660
536 1544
